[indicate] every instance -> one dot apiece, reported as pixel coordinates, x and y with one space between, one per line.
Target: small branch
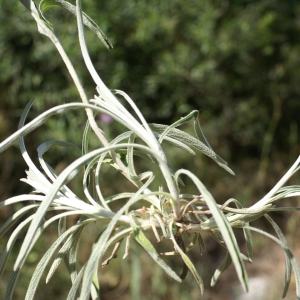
113 255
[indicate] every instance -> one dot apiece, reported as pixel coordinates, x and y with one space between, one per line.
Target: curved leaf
221 269
191 142
88 22
223 226
146 244
186 260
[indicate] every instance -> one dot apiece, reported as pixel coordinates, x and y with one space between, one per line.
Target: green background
237 62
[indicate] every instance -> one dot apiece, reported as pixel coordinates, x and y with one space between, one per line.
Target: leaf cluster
167 213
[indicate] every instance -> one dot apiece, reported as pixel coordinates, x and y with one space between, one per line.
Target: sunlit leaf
187 261
47 4
223 226
146 244
191 142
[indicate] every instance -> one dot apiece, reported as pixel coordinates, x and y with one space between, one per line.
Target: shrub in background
162 209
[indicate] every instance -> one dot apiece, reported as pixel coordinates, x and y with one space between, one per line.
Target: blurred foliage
235 61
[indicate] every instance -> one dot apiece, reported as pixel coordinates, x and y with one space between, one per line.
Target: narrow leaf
249 243
191 142
186 260
223 226
40 268
101 245
47 4
289 256
288 269
146 244
221 269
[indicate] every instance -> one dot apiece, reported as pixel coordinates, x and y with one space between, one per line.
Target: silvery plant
168 214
